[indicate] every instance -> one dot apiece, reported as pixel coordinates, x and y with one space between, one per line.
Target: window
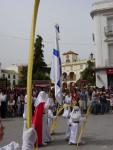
110 21
67 59
110 46
110 24
8 75
13 82
67 56
3 75
72 76
93 37
64 76
14 76
81 66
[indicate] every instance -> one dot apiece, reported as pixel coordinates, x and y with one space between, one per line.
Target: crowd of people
75 102
100 99
12 100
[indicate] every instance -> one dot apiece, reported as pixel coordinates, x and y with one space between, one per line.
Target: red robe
37 121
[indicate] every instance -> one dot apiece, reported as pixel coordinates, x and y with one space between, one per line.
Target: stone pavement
98 134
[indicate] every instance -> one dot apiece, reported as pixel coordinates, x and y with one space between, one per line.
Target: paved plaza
98 134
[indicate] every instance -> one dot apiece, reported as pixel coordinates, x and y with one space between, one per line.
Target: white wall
11 79
0 70
101 79
100 46
101 11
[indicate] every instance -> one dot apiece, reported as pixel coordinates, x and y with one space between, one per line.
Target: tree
40 69
88 74
22 75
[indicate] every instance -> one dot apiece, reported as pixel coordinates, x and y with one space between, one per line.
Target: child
74 121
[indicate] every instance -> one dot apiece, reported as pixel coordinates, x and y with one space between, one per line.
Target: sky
73 17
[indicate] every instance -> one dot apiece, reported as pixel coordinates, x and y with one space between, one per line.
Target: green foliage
40 69
78 82
40 76
22 82
88 74
23 76
38 62
4 82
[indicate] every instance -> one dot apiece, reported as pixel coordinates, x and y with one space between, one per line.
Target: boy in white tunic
67 103
75 117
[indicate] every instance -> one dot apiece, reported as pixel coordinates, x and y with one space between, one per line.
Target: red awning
42 85
109 71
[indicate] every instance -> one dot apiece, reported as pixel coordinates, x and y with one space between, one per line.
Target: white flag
55 74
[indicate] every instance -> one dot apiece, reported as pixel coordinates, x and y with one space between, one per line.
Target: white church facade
71 68
102 15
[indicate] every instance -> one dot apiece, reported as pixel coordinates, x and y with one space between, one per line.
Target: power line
47 42
13 37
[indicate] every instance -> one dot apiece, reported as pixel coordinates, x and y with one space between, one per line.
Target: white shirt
67 99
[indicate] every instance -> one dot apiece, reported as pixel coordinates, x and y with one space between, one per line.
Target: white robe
74 121
11 146
74 129
67 102
50 118
46 137
68 131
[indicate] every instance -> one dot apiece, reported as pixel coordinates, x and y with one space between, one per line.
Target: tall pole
57 47
57 36
30 64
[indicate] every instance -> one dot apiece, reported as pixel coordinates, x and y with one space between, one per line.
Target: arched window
67 59
14 76
14 82
9 76
3 75
72 76
64 76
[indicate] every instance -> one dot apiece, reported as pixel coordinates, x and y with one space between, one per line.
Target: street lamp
91 56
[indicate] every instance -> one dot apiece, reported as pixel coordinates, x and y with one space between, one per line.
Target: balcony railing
108 30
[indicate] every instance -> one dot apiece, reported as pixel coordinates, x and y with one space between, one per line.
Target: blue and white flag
56 73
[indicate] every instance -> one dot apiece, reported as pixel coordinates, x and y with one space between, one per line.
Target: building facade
10 74
102 15
71 68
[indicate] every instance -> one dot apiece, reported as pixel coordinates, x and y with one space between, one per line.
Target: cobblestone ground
98 134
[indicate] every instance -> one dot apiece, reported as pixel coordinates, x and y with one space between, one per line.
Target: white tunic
67 101
75 117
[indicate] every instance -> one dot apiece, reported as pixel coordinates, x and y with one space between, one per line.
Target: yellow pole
54 124
30 64
84 125
55 120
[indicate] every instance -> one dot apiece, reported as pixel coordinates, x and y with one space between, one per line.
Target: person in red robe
38 116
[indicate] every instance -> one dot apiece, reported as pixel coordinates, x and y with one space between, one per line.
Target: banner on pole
56 74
